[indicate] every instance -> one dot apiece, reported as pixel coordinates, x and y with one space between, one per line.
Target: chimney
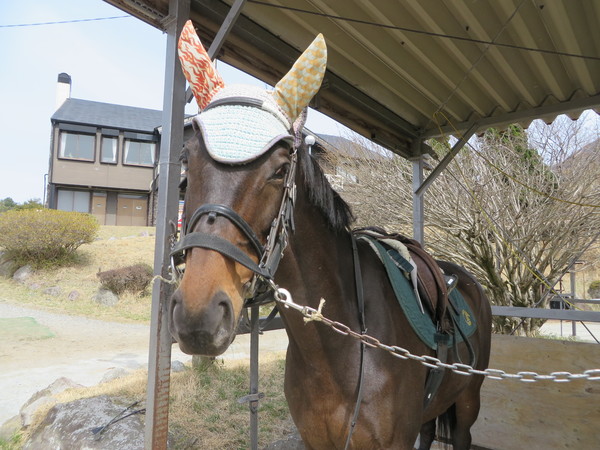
63 89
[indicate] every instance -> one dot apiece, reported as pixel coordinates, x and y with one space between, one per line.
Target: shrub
594 289
132 279
44 236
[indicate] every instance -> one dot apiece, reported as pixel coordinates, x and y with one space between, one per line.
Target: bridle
261 287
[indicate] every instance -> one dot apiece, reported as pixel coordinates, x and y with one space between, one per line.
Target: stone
77 424
113 374
7 266
106 297
177 366
43 397
73 295
23 274
53 291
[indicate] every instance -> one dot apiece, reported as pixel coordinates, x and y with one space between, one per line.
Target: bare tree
513 211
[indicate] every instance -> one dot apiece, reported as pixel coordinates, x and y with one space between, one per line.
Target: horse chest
322 407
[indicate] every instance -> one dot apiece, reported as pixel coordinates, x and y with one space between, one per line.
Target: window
73 201
108 150
77 146
139 153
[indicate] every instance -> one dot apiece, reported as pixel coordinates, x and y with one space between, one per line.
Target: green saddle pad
421 322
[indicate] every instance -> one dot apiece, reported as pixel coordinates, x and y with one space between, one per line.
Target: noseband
269 254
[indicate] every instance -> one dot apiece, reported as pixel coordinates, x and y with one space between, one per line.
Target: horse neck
317 264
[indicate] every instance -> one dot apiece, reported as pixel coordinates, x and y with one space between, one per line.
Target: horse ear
296 89
197 66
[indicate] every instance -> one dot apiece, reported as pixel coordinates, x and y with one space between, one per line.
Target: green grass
23 328
14 443
204 406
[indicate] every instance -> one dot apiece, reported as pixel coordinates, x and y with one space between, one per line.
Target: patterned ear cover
197 66
244 122
296 89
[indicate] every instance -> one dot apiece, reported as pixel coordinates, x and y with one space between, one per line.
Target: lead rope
363 329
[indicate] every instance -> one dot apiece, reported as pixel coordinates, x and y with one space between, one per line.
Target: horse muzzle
207 332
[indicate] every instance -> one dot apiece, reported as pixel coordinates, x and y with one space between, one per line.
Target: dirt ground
81 349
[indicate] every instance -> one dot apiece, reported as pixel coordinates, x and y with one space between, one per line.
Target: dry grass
203 407
116 247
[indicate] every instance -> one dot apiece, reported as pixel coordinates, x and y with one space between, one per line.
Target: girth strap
363 329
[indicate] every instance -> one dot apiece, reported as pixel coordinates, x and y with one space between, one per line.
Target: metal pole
159 359
254 395
446 160
573 296
418 206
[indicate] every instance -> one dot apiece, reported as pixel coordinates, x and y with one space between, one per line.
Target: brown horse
322 367
240 217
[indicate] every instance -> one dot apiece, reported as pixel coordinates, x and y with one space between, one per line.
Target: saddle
431 283
448 319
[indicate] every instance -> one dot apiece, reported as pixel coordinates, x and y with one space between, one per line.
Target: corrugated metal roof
108 115
399 71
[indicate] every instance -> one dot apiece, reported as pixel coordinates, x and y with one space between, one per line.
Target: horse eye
281 172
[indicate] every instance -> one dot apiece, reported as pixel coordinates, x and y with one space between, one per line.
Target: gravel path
83 350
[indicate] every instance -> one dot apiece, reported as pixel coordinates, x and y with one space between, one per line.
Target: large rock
72 425
7 266
43 397
23 274
106 297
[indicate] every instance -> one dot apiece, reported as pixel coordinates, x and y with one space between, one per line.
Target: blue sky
117 61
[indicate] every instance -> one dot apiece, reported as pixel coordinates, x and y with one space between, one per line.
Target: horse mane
332 206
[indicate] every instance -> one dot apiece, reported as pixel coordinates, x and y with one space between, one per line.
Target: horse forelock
333 207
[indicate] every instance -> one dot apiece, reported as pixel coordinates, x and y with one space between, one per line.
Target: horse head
240 189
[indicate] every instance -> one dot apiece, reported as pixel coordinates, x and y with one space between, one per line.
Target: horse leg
427 435
466 410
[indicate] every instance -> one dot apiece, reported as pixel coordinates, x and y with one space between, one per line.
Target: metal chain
310 314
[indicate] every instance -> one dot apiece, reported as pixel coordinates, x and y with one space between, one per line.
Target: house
103 159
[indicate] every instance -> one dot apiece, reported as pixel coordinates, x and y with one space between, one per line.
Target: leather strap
218 244
363 329
435 376
226 211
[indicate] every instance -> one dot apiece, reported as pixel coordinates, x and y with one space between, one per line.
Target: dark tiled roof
86 112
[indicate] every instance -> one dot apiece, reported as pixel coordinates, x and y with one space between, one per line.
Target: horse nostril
227 310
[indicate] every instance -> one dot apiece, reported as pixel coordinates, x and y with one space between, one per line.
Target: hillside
70 289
